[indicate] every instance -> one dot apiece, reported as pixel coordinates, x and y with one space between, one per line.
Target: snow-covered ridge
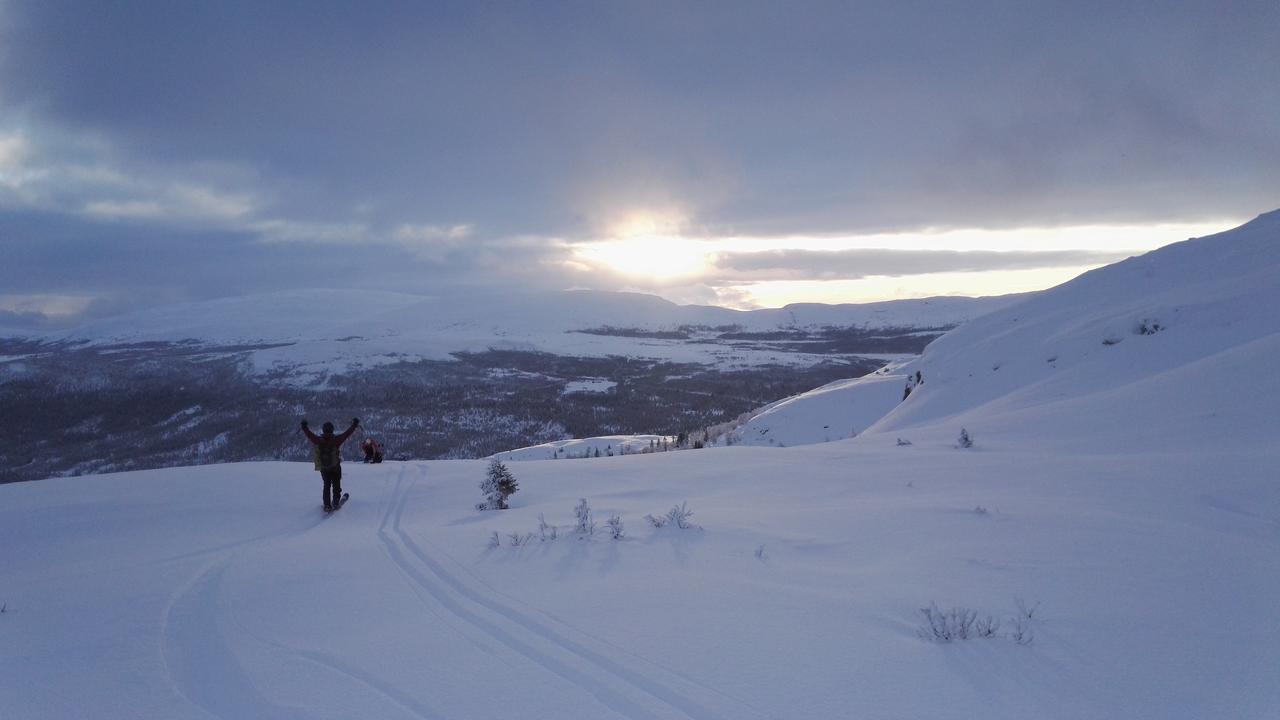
1188 331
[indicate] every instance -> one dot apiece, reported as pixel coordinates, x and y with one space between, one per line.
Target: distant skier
329 459
372 450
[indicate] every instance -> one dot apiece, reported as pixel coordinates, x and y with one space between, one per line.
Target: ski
341 501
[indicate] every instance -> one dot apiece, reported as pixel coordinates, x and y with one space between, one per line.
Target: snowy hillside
149 595
1184 330
580 448
1187 333
834 411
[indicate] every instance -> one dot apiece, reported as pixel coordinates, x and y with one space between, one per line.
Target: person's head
327 428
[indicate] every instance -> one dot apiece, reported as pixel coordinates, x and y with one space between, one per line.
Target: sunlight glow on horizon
652 251
881 288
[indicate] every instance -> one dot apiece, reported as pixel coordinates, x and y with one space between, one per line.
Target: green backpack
328 456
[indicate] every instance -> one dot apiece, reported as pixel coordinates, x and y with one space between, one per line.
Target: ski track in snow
397 697
203 668
589 669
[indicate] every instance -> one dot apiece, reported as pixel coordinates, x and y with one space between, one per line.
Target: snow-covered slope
1186 332
834 411
579 448
150 595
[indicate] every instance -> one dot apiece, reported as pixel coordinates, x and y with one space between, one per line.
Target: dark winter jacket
337 440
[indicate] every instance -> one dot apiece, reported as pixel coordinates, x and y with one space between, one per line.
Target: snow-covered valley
1118 514
305 337
435 377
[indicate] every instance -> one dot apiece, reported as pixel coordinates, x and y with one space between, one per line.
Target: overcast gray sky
159 151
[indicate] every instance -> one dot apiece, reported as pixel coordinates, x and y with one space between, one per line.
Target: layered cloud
151 150
852 264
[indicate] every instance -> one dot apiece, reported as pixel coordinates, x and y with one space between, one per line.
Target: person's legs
337 486
329 489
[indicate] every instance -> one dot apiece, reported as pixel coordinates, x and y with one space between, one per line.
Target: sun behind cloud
654 257
648 245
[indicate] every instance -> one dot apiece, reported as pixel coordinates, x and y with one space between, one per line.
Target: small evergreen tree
965 440
498 485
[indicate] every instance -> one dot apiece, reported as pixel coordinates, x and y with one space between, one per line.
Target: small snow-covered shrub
947 626
582 512
760 553
962 623
677 516
1021 632
979 510
494 540
965 440
903 443
498 485
986 627
546 532
615 527
1025 610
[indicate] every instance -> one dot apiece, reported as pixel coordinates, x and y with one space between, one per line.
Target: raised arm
355 423
314 438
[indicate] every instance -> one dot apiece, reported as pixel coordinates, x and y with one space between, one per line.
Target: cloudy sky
737 153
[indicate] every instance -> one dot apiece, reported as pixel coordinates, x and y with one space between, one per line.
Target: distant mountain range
310 334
